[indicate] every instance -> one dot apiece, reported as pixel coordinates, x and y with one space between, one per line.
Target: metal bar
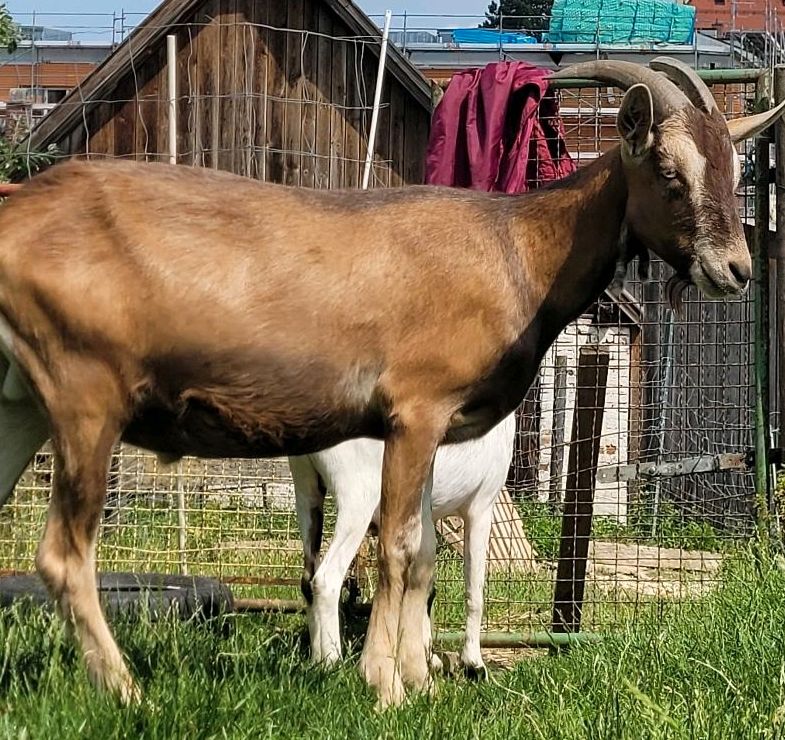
520 639
592 376
283 606
779 251
709 76
760 297
377 99
737 461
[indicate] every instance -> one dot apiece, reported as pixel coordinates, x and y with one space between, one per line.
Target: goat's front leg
66 555
405 563
415 644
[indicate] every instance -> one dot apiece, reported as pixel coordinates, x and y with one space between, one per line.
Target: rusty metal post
592 378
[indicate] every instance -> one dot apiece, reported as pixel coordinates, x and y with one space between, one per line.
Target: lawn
713 668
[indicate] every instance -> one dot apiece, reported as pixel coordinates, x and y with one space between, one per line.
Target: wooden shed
278 90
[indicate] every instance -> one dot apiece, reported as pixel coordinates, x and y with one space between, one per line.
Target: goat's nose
741 271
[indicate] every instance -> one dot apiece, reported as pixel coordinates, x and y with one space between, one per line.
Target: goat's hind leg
477 531
83 442
309 498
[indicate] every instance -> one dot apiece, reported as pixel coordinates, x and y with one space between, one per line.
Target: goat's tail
23 425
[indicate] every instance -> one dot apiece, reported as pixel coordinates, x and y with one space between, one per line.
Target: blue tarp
621 22
489 36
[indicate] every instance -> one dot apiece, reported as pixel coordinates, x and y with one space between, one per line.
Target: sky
91 27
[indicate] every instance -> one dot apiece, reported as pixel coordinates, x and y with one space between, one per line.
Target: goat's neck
580 231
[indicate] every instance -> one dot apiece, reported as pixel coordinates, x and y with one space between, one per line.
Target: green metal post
520 639
760 297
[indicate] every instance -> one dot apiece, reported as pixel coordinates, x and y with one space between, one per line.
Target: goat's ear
635 119
749 126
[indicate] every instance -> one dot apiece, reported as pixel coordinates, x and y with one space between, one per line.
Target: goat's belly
205 432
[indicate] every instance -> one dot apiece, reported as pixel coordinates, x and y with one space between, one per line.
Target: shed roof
167 16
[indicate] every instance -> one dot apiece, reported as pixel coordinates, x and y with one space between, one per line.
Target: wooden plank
261 42
508 547
124 115
292 145
227 105
592 377
397 134
162 114
339 98
187 102
415 143
277 86
353 134
100 131
208 83
310 95
325 112
146 141
246 61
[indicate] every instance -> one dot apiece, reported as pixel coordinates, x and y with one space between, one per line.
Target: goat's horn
667 98
688 80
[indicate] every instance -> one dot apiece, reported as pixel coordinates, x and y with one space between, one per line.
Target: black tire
157 595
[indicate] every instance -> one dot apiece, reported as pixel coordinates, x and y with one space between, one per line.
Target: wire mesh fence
678 390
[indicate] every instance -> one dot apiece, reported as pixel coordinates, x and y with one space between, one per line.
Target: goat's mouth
701 276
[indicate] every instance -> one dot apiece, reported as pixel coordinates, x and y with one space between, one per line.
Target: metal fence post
760 297
779 130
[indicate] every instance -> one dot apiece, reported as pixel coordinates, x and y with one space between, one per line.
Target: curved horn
688 80
667 98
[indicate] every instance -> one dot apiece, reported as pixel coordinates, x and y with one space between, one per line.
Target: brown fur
194 312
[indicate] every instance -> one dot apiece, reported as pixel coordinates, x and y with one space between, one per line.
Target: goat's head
681 170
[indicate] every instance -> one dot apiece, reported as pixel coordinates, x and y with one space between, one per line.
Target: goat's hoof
128 692
436 664
475 672
381 673
390 696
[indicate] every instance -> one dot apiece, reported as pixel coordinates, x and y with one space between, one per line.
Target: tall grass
714 668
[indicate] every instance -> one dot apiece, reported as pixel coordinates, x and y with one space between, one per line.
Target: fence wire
677 388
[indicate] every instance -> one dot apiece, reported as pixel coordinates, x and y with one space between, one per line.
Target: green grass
710 669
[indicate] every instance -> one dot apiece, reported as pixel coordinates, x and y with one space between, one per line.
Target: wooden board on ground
509 547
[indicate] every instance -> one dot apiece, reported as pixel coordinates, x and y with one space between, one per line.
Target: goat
200 313
467 478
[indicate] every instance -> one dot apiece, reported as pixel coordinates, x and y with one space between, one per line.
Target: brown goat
198 313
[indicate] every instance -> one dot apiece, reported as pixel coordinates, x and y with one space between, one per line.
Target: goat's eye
669 173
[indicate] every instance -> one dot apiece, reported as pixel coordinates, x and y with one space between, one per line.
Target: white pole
171 69
377 99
